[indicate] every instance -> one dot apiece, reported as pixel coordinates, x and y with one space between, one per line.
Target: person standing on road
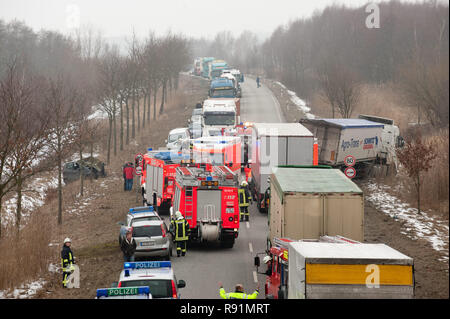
128 247
238 292
257 81
129 174
179 227
244 201
67 261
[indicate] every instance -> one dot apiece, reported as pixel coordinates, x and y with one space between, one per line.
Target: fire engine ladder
188 205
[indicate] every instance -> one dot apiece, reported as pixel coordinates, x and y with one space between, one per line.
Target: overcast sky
192 17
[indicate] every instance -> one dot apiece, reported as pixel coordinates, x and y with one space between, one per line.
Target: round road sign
138 170
350 172
349 160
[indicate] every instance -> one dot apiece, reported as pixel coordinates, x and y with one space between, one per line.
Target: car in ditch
92 167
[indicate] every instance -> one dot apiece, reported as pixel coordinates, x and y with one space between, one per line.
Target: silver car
152 239
142 213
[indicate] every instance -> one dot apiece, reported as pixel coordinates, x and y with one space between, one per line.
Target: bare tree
108 94
417 158
22 133
61 100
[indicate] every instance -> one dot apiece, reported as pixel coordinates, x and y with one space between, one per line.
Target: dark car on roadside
92 167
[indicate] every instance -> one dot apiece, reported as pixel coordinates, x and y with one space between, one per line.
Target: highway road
205 265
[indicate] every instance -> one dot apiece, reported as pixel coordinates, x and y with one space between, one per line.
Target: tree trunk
81 173
108 156
149 104
155 92
59 184
121 124
1 201
115 131
161 108
127 139
19 203
138 112
143 110
133 103
418 193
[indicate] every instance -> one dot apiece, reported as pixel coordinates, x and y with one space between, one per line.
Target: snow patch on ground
301 104
33 196
97 113
415 225
25 291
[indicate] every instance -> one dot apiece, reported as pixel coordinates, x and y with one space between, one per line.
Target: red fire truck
276 286
208 199
158 176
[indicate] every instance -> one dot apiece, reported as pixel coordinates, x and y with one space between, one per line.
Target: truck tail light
235 219
174 290
266 291
163 231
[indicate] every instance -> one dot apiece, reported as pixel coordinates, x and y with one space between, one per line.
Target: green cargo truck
306 203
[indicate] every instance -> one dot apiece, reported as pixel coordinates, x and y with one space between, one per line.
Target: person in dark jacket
128 247
67 261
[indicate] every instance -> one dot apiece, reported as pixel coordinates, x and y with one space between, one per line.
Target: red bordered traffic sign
350 172
349 160
139 158
138 170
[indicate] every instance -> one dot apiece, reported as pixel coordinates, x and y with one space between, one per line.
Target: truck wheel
227 243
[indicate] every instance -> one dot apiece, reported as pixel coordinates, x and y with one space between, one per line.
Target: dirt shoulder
431 275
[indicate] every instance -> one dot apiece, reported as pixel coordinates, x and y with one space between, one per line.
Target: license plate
147 243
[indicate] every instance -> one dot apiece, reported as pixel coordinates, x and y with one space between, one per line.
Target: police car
157 275
139 292
142 213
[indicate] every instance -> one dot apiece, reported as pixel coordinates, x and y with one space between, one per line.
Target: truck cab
216 68
205 65
222 88
236 85
390 137
218 116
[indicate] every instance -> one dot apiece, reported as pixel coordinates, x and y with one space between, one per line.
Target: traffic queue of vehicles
308 202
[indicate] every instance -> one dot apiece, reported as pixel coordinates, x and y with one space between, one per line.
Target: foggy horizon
191 19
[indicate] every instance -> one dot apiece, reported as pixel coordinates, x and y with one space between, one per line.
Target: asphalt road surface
205 265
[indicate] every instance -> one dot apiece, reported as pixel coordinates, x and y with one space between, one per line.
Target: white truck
366 142
218 115
326 270
276 144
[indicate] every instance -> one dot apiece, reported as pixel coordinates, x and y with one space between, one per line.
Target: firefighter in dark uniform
244 201
67 261
180 230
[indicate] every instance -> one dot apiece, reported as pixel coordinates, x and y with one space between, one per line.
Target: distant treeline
333 51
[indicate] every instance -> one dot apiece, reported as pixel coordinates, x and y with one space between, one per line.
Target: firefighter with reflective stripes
244 201
67 261
238 292
180 230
